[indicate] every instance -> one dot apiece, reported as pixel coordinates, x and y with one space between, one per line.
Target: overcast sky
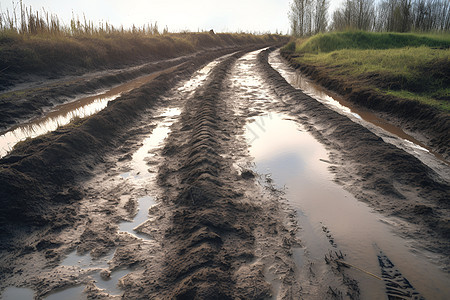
226 15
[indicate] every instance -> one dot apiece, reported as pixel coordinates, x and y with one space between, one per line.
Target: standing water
14 293
297 162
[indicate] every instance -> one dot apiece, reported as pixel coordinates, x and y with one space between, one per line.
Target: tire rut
389 179
211 231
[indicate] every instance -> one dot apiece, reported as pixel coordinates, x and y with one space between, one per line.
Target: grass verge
408 66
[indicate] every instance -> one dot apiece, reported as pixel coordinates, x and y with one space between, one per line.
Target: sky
177 15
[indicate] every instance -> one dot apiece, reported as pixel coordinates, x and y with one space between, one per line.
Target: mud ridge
426 122
389 179
38 179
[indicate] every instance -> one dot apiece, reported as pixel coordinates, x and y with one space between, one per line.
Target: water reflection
72 293
298 163
340 104
144 204
110 284
63 114
86 261
15 293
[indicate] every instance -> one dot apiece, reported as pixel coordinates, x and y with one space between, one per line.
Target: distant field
408 66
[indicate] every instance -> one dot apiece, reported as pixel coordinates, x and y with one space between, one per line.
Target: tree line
308 17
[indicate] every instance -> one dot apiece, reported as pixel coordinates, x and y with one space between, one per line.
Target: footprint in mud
329 236
397 286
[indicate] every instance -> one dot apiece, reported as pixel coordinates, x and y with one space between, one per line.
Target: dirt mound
431 124
24 104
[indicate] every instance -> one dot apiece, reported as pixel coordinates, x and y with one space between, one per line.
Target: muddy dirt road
221 180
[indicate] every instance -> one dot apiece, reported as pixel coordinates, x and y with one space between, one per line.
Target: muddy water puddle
189 87
142 160
138 172
143 204
331 218
15 293
63 114
387 131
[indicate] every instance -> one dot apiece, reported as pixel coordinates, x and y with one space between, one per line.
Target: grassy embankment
54 55
38 52
407 66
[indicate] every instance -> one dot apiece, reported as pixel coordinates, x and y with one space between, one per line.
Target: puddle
200 76
86 261
15 293
110 284
297 163
389 132
64 113
72 293
143 205
139 165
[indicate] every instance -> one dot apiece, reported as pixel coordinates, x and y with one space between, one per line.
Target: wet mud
35 99
19 105
160 196
65 113
372 120
51 163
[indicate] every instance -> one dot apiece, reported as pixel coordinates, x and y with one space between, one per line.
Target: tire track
210 234
210 223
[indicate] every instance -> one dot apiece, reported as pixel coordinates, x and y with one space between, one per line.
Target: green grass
408 66
423 98
361 40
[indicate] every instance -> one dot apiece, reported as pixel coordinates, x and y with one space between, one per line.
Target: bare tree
321 19
365 11
310 16
355 14
296 16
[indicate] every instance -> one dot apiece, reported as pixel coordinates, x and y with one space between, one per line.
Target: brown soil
30 102
25 58
210 221
210 239
428 124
